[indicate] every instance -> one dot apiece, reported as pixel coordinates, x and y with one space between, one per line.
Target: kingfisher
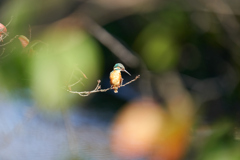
116 77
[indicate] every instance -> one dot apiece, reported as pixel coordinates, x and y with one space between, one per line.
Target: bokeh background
185 105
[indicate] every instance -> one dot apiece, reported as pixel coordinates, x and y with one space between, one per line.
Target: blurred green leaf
220 145
52 69
13 74
158 48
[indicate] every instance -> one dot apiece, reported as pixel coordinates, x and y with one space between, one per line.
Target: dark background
186 52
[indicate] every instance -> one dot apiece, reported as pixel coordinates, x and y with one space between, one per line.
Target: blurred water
27 134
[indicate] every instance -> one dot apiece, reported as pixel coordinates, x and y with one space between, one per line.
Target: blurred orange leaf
3 29
24 40
136 128
143 129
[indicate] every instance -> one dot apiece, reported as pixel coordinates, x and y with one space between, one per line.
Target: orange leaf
136 129
24 40
3 29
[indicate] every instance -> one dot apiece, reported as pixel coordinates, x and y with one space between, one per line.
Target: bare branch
5 34
98 88
9 41
82 72
9 21
110 42
79 80
69 86
138 76
2 52
70 77
7 53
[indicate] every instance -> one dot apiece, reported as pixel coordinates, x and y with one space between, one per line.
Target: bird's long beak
127 72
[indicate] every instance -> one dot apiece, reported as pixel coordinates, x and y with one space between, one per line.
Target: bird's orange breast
115 78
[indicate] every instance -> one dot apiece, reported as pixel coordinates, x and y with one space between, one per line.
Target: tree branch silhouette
98 88
103 36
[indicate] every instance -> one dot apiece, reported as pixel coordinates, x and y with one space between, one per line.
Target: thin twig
30 33
78 79
69 86
9 21
2 37
82 72
138 76
98 88
2 52
36 42
9 41
6 54
70 77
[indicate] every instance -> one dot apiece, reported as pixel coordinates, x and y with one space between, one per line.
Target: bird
116 77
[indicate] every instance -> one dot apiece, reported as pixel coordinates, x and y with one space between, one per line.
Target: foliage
187 54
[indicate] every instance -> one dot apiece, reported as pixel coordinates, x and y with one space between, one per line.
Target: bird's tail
115 90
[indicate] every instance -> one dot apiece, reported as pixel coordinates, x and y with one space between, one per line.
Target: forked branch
98 88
